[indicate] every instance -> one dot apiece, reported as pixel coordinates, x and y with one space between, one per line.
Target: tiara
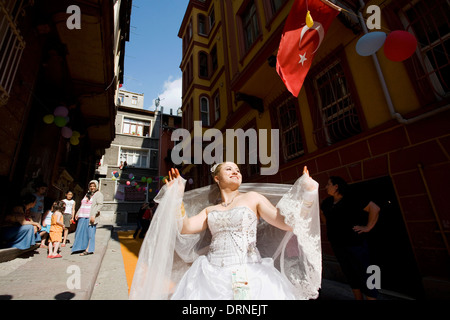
214 167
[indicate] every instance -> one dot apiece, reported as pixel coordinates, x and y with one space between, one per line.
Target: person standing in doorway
347 224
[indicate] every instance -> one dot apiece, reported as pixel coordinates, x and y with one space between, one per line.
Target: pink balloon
61 111
128 183
399 45
66 132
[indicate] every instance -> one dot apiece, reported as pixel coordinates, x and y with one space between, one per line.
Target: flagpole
332 5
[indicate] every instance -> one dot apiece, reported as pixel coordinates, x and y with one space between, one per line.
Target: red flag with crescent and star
299 43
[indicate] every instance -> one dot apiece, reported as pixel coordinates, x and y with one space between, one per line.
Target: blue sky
153 54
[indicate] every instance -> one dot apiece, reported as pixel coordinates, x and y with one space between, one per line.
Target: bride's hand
305 171
309 184
173 174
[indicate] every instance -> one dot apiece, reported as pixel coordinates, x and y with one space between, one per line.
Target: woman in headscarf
87 218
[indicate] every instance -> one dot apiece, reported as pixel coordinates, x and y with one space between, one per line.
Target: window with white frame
136 127
137 158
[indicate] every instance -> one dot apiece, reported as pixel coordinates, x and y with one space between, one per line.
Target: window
217 106
121 98
429 22
203 64
288 124
134 100
250 25
212 18
202 25
336 117
11 49
214 62
187 36
275 5
136 127
188 118
204 111
135 157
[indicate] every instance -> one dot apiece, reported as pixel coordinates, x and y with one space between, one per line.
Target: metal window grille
11 46
337 117
288 123
429 22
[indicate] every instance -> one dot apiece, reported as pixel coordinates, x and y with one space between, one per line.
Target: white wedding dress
233 246
239 256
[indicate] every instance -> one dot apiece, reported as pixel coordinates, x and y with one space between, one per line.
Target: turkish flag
299 43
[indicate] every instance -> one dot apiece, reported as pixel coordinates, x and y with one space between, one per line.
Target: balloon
61 111
143 179
150 190
66 132
149 180
399 45
49 118
369 43
190 181
128 183
74 141
75 134
116 174
113 178
60 121
130 176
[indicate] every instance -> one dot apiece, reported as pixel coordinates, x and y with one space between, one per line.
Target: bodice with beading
233 237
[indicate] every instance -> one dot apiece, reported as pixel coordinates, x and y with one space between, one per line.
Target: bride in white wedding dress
243 247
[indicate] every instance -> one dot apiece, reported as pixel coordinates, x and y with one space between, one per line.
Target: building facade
58 57
381 125
132 156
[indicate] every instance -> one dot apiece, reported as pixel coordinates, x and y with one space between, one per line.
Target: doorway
389 243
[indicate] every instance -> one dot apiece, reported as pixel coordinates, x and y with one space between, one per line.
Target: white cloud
171 96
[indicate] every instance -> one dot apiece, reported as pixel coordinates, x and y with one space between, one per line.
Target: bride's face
229 174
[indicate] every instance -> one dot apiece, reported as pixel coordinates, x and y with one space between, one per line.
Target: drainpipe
387 96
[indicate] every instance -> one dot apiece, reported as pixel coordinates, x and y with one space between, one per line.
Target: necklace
226 204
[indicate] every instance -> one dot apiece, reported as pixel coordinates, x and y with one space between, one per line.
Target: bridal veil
166 254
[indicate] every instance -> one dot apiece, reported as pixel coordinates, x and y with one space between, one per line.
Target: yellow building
381 125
